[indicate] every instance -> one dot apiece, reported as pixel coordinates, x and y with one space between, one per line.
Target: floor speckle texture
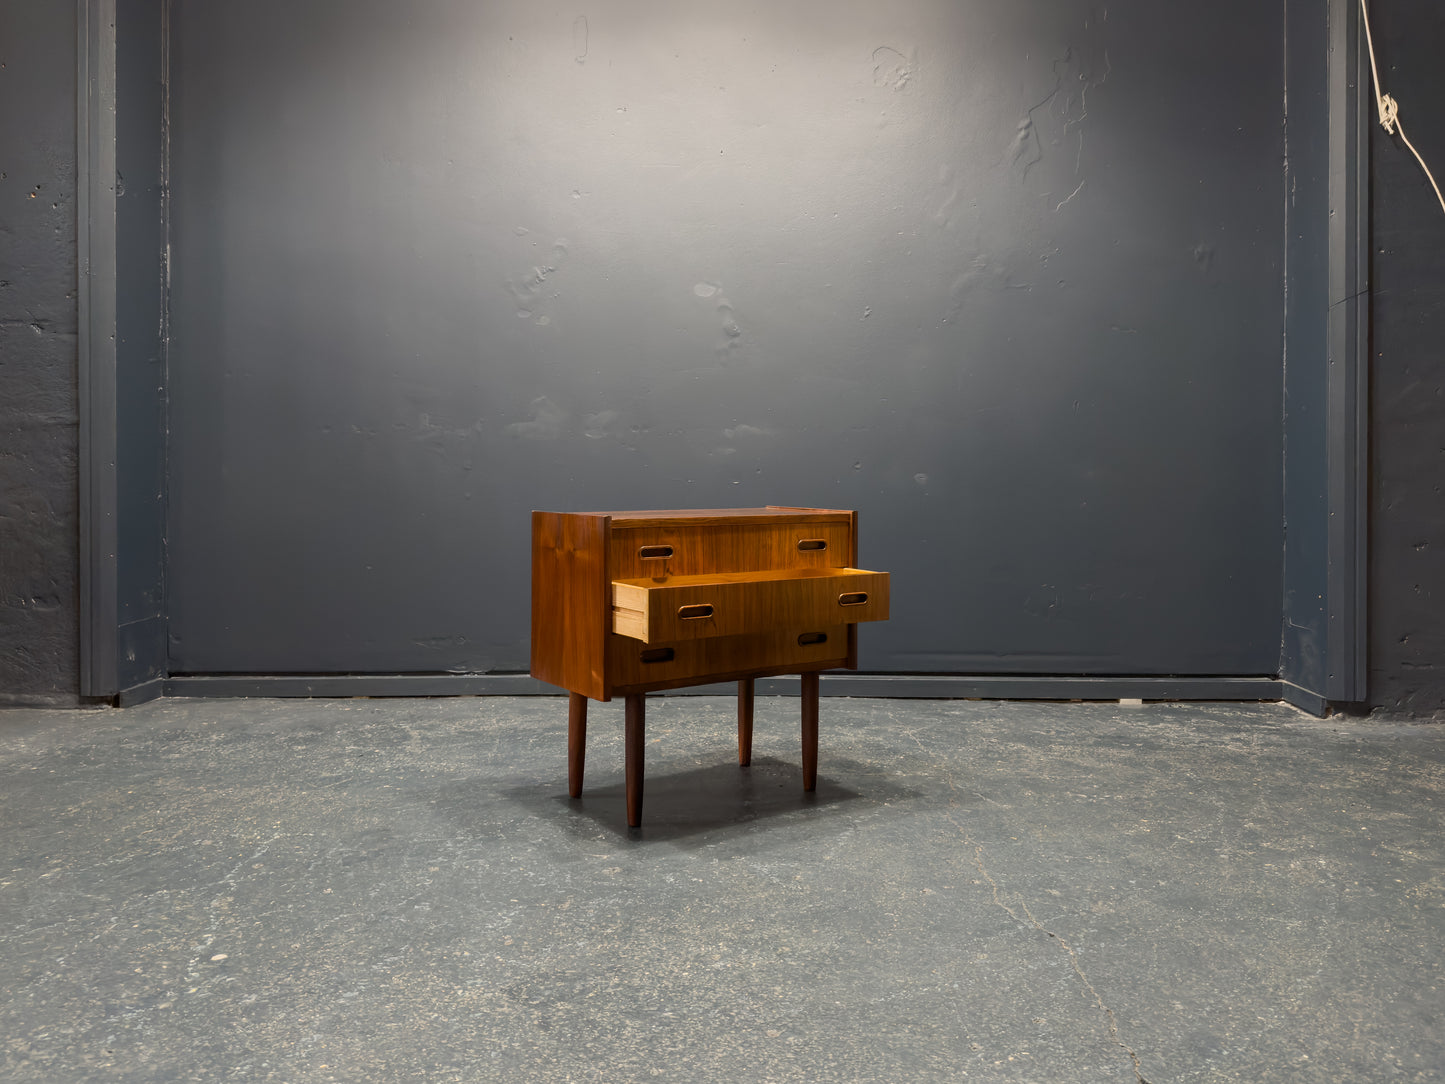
387 890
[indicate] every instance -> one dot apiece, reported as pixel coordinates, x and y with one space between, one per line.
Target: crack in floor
1113 1021
942 765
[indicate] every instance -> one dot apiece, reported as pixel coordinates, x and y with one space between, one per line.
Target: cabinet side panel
571 603
852 663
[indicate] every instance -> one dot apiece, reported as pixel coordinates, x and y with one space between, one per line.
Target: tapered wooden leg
636 715
745 722
576 742
810 730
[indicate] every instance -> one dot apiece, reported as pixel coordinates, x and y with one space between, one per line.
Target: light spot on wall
1043 602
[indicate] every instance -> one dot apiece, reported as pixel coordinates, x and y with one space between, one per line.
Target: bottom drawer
632 663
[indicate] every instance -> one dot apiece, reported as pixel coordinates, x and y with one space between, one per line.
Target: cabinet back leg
810 730
576 742
745 722
633 739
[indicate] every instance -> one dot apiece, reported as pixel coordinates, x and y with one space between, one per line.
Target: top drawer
737 603
683 550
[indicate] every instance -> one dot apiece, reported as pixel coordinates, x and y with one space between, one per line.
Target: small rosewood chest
627 603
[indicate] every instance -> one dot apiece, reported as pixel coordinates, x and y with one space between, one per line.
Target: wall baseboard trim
1035 687
905 686
301 685
1303 699
142 693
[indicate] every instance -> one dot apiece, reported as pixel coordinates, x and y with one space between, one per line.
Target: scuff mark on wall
893 70
983 274
599 424
429 430
530 290
580 43
952 193
1060 205
546 423
731 330
744 431
1025 147
1057 119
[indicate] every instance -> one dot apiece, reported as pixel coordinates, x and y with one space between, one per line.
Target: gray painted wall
39 643
1407 541
38 551
1005 278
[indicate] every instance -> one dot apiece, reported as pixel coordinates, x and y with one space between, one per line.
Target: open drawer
735 603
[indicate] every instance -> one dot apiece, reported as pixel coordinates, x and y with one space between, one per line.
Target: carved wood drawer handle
812 638
853 598
658 654
654 553
812 543
695 612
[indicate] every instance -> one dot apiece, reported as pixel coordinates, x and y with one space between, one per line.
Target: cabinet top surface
729 515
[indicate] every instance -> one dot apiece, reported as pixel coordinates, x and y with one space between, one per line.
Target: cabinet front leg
576 742
810 730
745 722
636 715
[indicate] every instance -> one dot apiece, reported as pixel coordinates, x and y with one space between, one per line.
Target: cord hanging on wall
1390 109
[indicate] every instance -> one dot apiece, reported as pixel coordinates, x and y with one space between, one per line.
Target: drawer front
632 663
659 612
641 552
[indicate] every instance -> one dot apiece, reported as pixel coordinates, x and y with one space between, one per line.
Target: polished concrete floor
397 890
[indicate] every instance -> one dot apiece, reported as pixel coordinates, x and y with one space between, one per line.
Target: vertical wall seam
95 356
165 333
1284 352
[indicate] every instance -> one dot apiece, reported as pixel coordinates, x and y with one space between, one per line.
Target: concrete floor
387 890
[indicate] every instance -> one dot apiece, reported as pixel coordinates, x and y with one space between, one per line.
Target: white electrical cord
1390 109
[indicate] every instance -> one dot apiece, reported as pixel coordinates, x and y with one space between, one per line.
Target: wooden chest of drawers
626 603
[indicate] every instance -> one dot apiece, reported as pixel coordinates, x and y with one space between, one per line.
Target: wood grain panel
730 547
571 601
723 658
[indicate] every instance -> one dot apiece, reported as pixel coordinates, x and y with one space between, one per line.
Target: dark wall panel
39 626
1304 626
1407 540
1004 277
140 332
